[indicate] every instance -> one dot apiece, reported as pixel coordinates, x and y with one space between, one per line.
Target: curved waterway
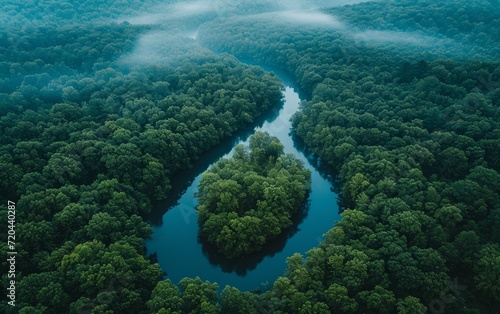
175 239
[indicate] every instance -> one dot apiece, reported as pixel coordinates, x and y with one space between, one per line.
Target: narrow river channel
175 238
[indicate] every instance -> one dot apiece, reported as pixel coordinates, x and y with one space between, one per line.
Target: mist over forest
109 109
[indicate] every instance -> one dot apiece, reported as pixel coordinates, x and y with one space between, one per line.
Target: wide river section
175 239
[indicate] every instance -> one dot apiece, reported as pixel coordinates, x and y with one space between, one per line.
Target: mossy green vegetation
87 144
414 142
251 198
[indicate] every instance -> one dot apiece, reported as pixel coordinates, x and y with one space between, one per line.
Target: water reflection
242 265
184 178
175 239
324 170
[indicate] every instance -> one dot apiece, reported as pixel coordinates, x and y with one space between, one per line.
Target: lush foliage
87 144
414 140
252 197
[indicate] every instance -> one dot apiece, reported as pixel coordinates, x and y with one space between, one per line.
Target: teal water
175 239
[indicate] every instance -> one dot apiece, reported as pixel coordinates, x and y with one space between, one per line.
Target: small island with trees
251 198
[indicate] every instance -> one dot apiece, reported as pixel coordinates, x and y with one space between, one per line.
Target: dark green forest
401 101
252 197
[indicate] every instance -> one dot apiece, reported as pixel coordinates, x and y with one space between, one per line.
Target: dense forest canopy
413 139
251 198
88 142
402 102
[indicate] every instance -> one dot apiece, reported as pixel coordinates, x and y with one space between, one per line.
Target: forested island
103 102
251 198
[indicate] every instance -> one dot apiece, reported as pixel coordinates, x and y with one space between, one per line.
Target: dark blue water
175 239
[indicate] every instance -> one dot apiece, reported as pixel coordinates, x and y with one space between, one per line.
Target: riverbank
181 254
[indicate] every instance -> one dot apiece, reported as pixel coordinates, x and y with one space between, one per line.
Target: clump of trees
86 145
413 140
251 198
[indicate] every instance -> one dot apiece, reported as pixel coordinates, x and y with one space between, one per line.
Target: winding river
175 239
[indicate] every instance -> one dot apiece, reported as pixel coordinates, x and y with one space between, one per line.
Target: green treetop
251 198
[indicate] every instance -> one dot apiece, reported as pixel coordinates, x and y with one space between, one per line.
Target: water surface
175 239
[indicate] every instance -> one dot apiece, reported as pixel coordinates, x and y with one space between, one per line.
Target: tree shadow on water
326 171
183 179
241 265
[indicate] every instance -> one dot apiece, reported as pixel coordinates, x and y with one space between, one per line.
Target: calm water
175 237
